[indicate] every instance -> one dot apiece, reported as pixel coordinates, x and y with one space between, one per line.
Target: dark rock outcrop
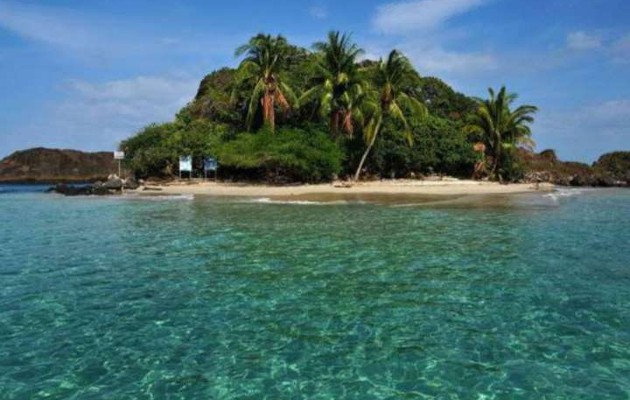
41 165
113 185
74 190
131 184
612 169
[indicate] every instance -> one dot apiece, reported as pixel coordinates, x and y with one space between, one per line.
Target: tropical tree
338 86
261 70
500 128
394 79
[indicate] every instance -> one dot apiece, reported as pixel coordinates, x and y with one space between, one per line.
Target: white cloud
614 113
620 49
583 41
318 12
421 15
587 131
431 61
43 24
97 116
101 37
431 51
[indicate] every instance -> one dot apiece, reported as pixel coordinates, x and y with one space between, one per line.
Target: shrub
294 155
615 164
155 150
439 145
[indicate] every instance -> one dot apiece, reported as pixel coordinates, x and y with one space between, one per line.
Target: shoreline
374 191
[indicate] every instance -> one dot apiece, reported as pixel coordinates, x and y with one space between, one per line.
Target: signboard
185 164
119 155
210 164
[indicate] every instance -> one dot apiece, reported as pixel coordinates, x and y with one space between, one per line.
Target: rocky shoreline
113 185
577 180
610 170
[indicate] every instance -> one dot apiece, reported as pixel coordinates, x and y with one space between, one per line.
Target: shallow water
178 297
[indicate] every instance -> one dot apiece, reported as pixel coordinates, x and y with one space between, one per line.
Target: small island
289 115
292 115
315 222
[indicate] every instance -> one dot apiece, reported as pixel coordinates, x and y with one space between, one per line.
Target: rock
70 190
101 191
584 180
54 165
114 183
604 181
131 184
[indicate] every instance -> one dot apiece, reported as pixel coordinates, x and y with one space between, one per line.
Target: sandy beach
336 191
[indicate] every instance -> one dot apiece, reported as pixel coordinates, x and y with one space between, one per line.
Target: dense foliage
155 150
615 164
502 131
290 114
286 155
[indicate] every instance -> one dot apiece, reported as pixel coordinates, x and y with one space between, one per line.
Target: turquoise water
212 299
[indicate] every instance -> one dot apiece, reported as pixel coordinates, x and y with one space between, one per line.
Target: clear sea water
177 297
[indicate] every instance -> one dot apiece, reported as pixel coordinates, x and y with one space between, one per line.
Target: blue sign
210 164
185 164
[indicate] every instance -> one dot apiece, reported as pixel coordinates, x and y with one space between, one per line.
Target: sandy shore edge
380 188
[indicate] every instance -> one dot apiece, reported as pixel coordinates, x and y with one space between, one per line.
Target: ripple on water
207 298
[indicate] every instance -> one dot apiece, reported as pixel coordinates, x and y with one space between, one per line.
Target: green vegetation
502 131
395 80
615 164
337 89
286 155
288 114
260 72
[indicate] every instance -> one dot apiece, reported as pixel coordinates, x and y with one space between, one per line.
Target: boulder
101 191
114 183
131 184
71 190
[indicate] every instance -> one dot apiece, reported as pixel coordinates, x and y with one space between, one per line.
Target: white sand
388 187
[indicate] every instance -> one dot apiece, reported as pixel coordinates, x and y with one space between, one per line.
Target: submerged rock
71 190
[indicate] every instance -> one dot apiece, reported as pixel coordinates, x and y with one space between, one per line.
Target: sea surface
178 297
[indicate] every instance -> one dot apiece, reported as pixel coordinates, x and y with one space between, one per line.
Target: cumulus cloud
431 51
110 111
420 15
45 24
587 131
318 12
97 37
583 41
97 116
435 60
620 49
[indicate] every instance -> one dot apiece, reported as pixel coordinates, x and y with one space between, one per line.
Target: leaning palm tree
337 87
261 70
394 78
500 128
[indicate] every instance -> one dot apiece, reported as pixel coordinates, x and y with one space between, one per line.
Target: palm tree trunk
269 115
334 122
495 163
367 150
496 155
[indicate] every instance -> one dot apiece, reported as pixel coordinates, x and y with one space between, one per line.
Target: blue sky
86 74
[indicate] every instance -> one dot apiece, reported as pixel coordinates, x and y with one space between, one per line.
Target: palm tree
394 78
261 69
500 128
337 86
